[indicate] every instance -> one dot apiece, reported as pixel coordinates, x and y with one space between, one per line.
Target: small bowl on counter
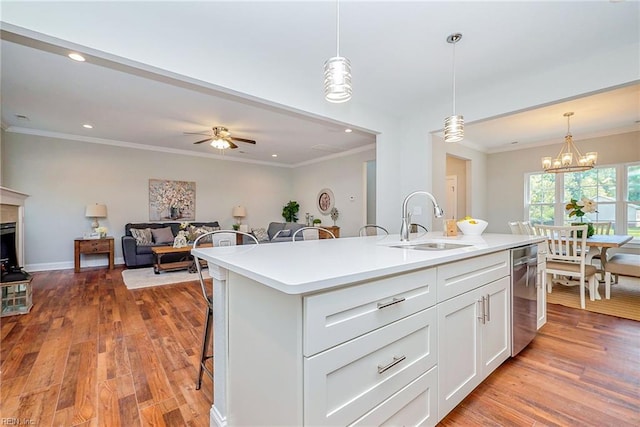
472 227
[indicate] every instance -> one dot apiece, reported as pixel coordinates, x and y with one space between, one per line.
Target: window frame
621 203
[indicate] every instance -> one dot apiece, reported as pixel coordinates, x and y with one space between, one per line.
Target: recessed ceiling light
88 126
348 130
76 57
274 155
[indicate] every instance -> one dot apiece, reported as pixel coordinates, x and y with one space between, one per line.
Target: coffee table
185 263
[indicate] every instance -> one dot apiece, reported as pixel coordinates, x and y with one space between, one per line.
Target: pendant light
568 153
454 125
337 71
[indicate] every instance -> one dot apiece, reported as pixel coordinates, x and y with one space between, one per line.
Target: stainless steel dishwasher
524 296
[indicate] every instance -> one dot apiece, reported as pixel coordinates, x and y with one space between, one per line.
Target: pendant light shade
337 71
454 124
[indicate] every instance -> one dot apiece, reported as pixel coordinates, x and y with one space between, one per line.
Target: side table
334 229
93 246
16 297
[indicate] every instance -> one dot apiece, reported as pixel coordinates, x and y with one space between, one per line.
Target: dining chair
522 227
515 227
217 238
372 230
566 256
311 233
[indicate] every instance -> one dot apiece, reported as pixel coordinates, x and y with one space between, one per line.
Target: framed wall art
325 201
172 200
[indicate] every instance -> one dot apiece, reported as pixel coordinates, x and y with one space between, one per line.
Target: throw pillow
261 234
206 229
142 235
162 235
285 233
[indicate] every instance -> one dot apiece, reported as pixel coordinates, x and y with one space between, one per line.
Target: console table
93 246
334 229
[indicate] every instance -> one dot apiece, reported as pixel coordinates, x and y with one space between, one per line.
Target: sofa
276 232
140 255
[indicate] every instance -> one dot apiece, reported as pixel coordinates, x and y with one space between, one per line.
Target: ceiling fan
221 138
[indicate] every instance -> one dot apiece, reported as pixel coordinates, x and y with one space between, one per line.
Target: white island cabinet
359 338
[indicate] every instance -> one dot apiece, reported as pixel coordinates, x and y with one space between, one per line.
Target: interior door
451 210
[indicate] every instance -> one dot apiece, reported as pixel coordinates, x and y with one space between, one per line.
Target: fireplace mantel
12 210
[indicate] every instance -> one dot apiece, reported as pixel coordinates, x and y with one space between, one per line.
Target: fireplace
8 248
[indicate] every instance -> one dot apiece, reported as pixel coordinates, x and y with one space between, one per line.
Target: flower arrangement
191 232
334 214
102 231
579 208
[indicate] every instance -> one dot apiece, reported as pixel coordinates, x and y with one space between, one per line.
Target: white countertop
314 265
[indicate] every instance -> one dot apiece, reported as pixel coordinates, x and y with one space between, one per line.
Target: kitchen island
357 331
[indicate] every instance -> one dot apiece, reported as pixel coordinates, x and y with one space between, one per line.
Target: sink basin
432 246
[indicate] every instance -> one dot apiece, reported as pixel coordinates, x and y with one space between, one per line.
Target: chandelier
564 162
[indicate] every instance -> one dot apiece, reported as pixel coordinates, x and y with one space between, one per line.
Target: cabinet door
496 327
459 369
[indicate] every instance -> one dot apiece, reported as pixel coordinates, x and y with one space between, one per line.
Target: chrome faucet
406 216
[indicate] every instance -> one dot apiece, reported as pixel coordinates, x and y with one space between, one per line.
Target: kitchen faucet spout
406 216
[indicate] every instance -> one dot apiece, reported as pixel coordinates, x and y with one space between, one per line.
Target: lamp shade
239 212
96 210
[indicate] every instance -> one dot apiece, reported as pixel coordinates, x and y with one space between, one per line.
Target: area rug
144 277
624 302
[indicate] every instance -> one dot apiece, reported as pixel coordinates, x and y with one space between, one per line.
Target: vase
590 229
174 213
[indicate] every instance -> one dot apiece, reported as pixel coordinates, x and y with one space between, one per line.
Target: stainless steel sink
432 246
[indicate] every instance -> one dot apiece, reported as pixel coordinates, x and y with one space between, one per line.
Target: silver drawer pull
396 360
387 304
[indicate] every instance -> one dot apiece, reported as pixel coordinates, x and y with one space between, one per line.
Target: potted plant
317 222
290 211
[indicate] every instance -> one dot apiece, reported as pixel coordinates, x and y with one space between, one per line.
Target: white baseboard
66 265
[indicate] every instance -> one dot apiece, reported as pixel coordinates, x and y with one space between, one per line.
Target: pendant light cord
454 79
337 27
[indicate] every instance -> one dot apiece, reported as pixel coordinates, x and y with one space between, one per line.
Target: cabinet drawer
335 317
351 379
94 246
414 405
459 277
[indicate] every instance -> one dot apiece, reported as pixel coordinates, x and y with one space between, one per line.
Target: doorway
456 187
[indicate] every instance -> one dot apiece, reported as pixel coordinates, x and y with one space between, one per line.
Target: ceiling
392 46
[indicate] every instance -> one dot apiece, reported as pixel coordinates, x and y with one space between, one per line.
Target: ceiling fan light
453 129
220 143
337 79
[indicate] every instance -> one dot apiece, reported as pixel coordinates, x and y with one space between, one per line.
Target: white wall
505 172
344 176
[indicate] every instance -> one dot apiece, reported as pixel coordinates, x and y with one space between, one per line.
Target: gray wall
63 176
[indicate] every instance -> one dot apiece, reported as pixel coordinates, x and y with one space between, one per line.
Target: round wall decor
325 201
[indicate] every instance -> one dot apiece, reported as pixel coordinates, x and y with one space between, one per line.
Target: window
632 201
616 189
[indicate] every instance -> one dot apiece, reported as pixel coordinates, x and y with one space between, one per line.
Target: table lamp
96 211
238 213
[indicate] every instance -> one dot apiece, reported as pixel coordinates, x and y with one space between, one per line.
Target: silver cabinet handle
396 360
481 316
488 310
392 302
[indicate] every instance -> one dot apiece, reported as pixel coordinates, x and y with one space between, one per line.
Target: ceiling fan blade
204 140
232 145
204 132
249 141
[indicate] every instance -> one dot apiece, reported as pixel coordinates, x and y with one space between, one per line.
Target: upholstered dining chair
216 238
311 233
566 256
372 230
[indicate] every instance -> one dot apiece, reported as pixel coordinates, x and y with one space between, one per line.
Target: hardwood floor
93 353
